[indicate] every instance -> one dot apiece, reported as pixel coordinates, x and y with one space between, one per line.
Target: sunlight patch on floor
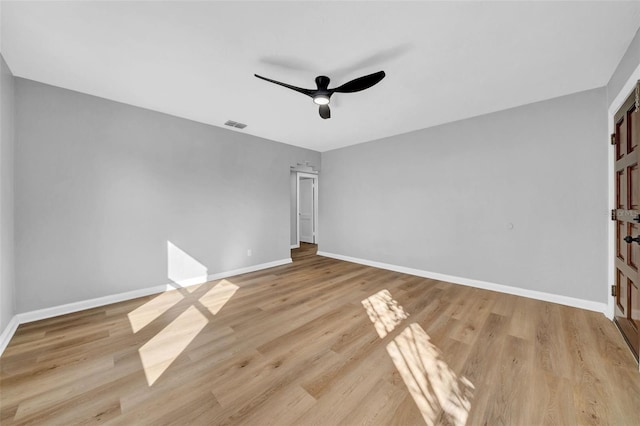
440 395
147 313
384 312
163 349
183 269
218 296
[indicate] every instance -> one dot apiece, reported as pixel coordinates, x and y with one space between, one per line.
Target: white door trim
301 175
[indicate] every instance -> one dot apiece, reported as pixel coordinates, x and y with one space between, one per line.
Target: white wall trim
295 246
68 308
621 96
532 294
8 332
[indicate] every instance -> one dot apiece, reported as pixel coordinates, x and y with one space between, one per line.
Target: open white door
307 207
306 210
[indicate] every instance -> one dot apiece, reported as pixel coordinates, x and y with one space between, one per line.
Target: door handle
629 239
637 219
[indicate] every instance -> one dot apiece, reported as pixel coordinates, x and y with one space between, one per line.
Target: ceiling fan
322 94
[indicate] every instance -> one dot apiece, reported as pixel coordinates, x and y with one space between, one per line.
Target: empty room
319 212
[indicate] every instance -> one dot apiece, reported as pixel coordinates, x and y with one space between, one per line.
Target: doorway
307 208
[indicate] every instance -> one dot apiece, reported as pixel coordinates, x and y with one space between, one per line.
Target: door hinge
613 290
614 215
613 138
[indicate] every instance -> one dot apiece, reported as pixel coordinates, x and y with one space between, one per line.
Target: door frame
299 176
621 96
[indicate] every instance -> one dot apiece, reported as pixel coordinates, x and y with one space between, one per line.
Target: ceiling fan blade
325 112
360 83
307 92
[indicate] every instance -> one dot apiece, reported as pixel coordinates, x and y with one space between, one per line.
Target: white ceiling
444 61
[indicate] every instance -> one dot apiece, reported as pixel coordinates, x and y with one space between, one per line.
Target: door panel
627 216
632 249
621 189
621 298
632 187
620 234
306 211
635 306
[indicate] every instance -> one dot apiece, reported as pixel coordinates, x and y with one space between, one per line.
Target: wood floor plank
353 385
514 368
552 400
283 408
378 406
321 341
552 354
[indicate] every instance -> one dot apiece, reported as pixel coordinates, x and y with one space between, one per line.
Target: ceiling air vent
235 124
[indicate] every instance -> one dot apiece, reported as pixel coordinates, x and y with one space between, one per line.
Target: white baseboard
82 305
295 246
248 269
68 308
7 333
532 294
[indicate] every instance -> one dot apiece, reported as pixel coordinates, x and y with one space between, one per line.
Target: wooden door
627 217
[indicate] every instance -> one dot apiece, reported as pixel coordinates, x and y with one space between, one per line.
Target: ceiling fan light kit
322 95
321 100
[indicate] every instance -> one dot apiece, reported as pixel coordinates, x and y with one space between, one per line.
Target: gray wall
625 68
6 195
441 199
102 187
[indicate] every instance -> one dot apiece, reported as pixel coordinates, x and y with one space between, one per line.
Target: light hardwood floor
321 342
